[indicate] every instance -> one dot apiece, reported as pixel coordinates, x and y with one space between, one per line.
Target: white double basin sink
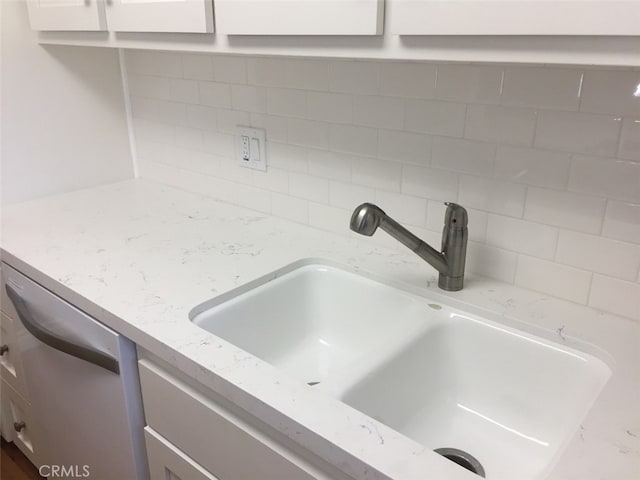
440 376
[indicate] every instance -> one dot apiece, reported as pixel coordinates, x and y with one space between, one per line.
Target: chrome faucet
450 262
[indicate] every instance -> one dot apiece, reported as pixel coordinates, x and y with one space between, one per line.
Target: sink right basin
511 400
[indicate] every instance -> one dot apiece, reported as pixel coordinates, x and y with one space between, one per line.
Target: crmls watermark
65 471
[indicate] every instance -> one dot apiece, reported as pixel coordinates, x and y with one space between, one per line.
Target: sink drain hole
462 458
312 384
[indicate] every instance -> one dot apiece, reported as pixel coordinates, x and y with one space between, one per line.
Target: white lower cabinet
16 421
16 424
167 462
190 436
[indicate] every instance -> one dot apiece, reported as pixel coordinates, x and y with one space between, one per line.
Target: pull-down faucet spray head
365 219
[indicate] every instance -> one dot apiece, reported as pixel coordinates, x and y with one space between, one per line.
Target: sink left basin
313 320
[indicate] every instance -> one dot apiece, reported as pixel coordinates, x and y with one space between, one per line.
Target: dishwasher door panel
82 414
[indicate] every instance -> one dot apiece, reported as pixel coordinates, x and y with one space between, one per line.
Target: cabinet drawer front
16 411
166 461
216 439
10 366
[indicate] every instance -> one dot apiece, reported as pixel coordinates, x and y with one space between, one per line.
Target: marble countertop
139 256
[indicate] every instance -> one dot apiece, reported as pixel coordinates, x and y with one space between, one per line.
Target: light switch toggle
251 148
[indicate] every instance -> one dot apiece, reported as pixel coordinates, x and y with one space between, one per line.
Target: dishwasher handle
53 340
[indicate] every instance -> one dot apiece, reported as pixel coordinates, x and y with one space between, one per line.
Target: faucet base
450 284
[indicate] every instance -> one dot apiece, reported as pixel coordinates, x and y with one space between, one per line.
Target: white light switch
251 148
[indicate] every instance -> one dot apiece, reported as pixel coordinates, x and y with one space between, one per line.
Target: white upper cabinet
186 16
514 17
70 15
299 17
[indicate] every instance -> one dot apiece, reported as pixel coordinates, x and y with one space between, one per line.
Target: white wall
547 160
63 119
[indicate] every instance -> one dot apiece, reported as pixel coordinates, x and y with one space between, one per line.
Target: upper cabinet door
299 17
80 15
184 16
514 17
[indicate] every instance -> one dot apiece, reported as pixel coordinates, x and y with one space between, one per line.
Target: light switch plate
251 147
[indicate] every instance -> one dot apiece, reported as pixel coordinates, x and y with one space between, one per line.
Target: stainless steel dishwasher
82 382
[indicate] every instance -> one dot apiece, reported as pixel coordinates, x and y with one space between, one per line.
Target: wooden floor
14 465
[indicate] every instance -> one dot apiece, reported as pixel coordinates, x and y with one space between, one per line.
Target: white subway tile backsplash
153 131
541 87
629 147
253 198
310 187
274 179
554 279
149 86
228 120
249 98
617 179
464 156
287 102
286 206
376 111
349 196
329 164
287 157
565 209
308 133
492 195
354 77
532 167
378 174
522 236
189 138
329 218
551 179
215 94
577 132
353 139
159 110
230 170
205 118
219 143
185 91
412 80
469 83
307 74
491 262
197 67
330 107
403 208
404 147
599 254
165 64
614 295
622 221
276 127
267 72
494 123
435 117
229 69
611 91
430 183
